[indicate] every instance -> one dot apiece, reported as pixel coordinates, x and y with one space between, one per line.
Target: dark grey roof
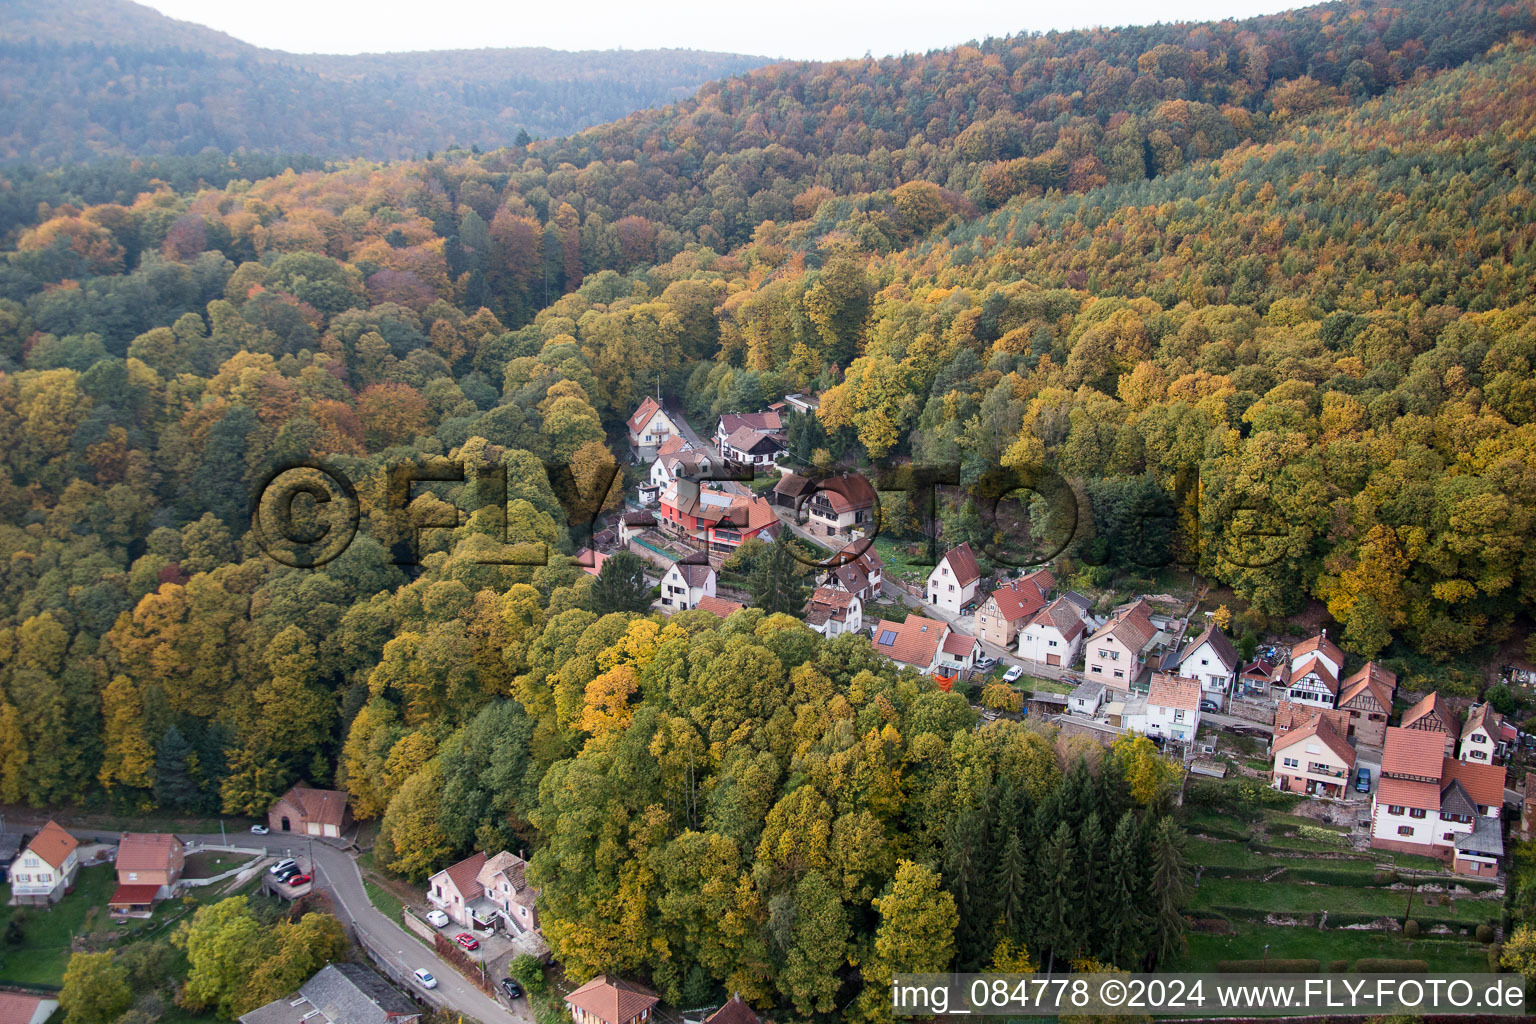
350 993
1454 799
286 1010
1486 837
10 845
1088 690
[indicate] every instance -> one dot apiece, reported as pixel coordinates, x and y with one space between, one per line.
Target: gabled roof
792 485
1431 713
1454 799
1087 690
612 999
648 407
1373 681
1219 643
1414 753
719 605
913 642
134 894
324 806
1019 599
1319 644
733 1012
1320 730
1484 782
53 844
847 492
958 645
831 598
867 558
465 875
1132 625
349 993
1063 616
504 863
1259 669
147 851
1384 678
694 574
20 1008
767 422
1290 715
1170 691
962 564
1483 717
1407 793
851 576
637 519
1316 666
752 441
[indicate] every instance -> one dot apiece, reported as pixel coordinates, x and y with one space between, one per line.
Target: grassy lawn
1044 685
898 562
207 864
1300 898
1249 939
47 931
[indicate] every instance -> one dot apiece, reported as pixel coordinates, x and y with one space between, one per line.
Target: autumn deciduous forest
1292 255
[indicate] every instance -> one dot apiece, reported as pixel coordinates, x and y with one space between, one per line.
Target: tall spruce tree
1170 892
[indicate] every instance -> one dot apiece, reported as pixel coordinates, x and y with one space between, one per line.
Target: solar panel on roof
888 637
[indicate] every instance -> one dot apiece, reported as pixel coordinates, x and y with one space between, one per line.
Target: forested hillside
114 78
1291 256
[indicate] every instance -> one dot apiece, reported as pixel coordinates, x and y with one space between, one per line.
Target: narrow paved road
337 874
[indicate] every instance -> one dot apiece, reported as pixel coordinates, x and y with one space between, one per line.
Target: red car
298 880
467 940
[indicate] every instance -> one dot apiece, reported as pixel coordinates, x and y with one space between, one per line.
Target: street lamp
1265 968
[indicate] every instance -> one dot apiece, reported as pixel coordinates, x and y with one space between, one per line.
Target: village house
632 524
718 520
46 869
769 422
591 562
1052 636
1483 736
719 606
748 447
1116 654
860 571
501 880
24 1008
649 429
609 1000
957 654
1008 609
1430 804
833 612
1173 707
457 892
1086 698
310 812
1313 759
678 457
339 993
802 403
952 583
1312 683
1254 682
914 643
1366 697
735 1011
1290 716
1431 714
832 507
685 584
149 864
1211 659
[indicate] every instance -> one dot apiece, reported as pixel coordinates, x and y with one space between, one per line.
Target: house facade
1086 699
839 505
1173 707
502 881
719 520
1313 682
148 867
685 584
1430 804
310 812
1431 714
1211 659
860 571
47 868
1054 635
952 583
914 643
1482 736
1313 759
834 612
748 447
1008 609
649 428
1366 697
1116 653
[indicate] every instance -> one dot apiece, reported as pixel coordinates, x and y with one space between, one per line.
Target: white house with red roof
1008 609
610 1000
1172 708
1321 648
1312 681
649 428
952 583
1483 736
1430 804
25 1008
686 584
47 868
1053 635
1432 714
914 643
1313 759
859 570
1116 654
834 612
1212 659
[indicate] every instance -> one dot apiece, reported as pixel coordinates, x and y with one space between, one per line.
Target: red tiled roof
958 644
1484 782
846 493
595 558
675 443
146 851
648 408
915 643
1319 729
464 874
1131 625
833 598
133 895
962 564
1319 644
1290 714
733 1012
1064 616
1366 681
1404 793
1316 666
1171 691
719 605
1413 752
18 1008
612 999
1019 599
1431 713
324 806
767 422
1485 717
53 844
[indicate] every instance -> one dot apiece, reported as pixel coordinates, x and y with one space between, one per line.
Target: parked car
283 865
1014 674
300 880
259 830
288 873
985 662
467 940
511 988
1209 706
424 978
1363 780
437 919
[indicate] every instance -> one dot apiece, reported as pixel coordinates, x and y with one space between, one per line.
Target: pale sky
795 29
